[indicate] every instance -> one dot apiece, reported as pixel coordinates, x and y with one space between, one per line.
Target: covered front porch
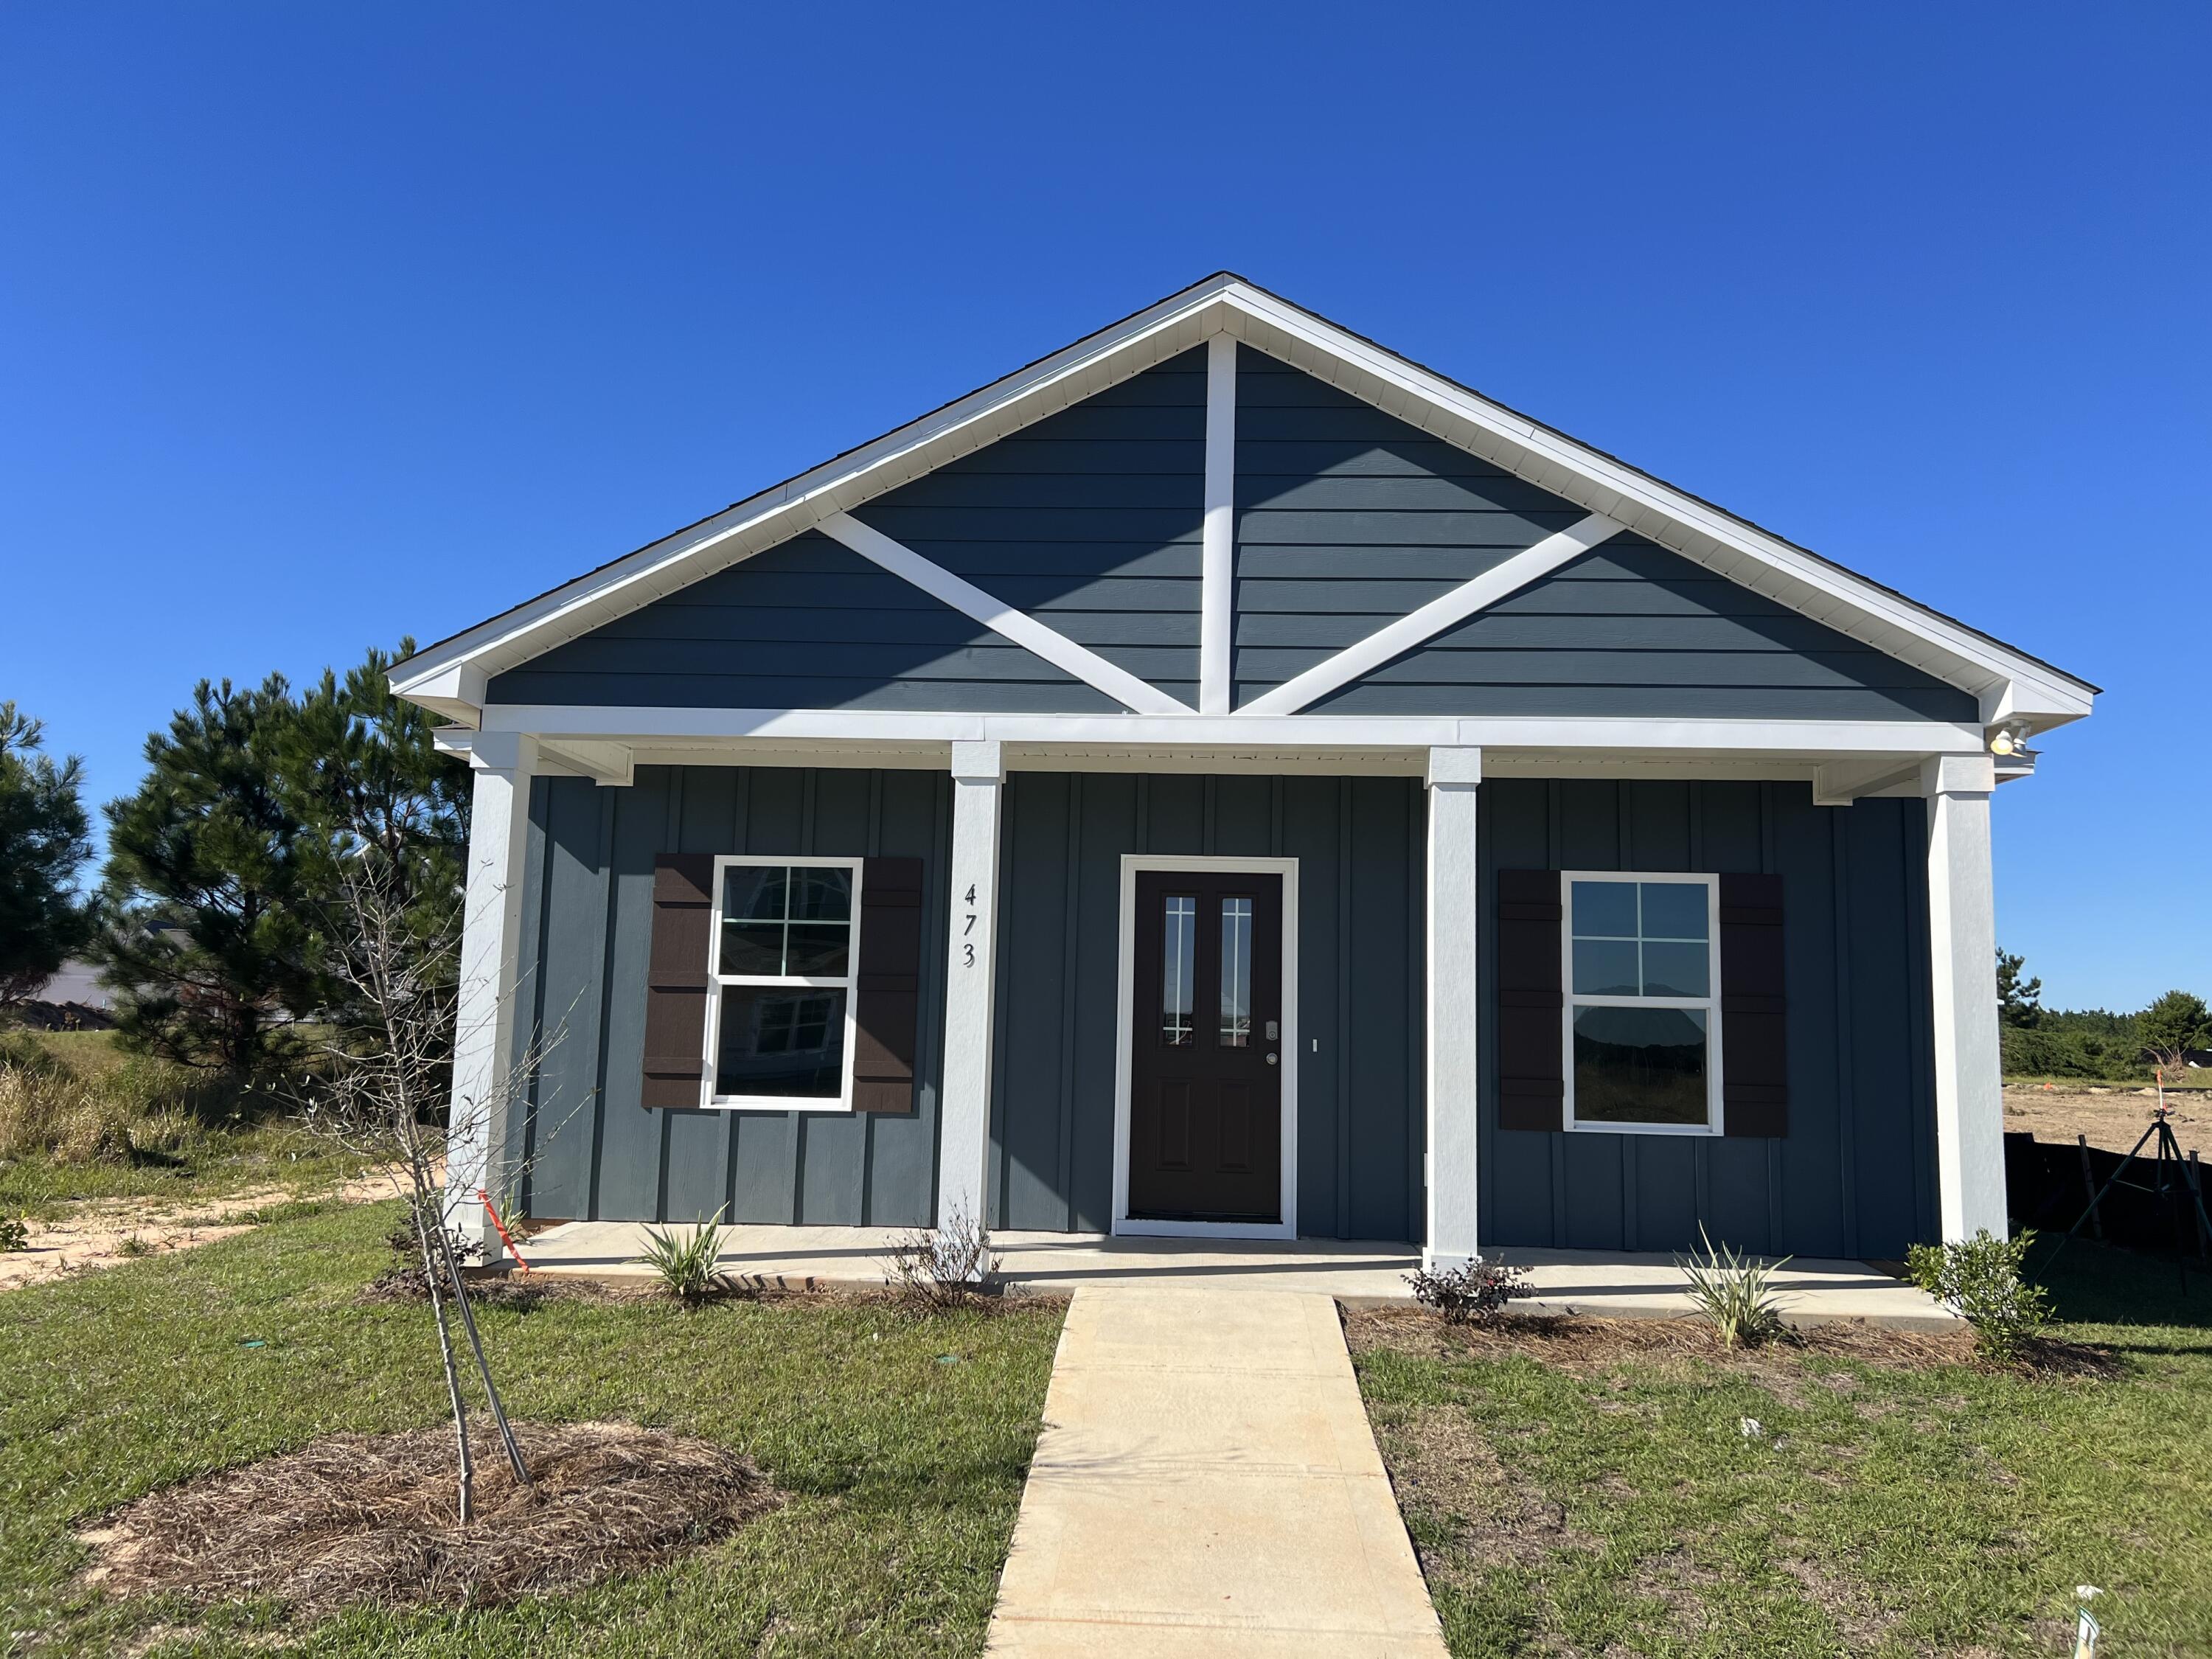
1605 1284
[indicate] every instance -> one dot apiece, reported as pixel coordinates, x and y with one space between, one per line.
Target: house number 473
968 945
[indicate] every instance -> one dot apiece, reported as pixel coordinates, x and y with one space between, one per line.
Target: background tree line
214 916
2093 1042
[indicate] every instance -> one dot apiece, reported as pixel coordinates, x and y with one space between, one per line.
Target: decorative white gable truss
2013 690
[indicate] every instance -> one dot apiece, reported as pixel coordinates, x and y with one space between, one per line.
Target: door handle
1273 1060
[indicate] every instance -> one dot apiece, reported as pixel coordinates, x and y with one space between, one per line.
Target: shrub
685 1263
1980 1279
943 1269
1473 1293
1734 1292
14 1234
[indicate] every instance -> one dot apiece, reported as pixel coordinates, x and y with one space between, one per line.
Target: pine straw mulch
1585 1345
356 1518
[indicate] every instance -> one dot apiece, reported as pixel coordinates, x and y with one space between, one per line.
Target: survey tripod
2170 1180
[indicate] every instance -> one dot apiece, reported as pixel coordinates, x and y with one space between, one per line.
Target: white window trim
716 981
1125 1017
1710 1003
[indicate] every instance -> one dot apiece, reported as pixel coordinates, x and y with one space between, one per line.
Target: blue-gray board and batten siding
586 934
1347 519
1854 1177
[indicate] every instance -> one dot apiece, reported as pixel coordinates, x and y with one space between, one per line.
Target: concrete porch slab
1608 1284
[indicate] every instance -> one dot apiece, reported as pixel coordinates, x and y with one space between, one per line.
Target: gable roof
450 677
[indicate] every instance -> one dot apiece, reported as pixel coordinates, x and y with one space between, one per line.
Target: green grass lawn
902 1443
1617 1508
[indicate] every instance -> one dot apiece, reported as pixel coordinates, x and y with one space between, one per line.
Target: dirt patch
101 1232
1443 1465
2112 1115
372 1519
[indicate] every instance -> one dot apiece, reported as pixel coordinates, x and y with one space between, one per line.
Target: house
1226 779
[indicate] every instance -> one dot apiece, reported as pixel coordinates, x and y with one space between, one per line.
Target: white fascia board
1242 733
995 613
1849 603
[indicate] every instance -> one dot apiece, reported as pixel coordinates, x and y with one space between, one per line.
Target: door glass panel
1178 972
1236 972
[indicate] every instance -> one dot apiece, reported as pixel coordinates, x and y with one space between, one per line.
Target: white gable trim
451 676
1474 594
997 615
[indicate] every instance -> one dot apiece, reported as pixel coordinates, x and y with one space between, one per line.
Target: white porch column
963 1132
1962 942
491 933
1455 883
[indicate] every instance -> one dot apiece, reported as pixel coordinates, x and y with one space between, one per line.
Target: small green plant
133 1246
1735 1292
1980 1279
1473 1293
685 1264
14 1234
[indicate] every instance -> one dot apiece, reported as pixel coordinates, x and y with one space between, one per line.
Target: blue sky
320 324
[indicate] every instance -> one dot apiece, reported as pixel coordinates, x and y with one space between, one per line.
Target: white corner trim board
1475 594
1217 589
997 615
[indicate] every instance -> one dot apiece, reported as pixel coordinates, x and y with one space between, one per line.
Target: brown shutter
676 979
887 995
1754 1046
1531 1088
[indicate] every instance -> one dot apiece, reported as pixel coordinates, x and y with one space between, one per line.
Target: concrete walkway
1207 1484
1608 1283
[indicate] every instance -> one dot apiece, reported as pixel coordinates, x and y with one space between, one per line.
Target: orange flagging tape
502 1228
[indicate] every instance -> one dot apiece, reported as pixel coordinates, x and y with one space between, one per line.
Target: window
780 1015
1643 1016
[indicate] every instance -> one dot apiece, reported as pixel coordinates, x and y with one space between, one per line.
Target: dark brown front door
1205 1118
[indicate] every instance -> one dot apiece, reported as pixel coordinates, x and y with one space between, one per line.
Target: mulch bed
372 1519
1584 1345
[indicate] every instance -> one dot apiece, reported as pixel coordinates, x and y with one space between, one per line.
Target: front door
1206 1104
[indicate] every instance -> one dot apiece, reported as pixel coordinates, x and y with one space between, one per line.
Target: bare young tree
377 1084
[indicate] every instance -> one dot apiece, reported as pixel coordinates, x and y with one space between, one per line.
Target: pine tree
2018 1004
204 940
226 871
45 838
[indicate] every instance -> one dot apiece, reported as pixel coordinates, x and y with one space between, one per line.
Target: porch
1602 1283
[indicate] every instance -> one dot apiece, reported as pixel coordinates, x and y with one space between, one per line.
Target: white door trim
1124 999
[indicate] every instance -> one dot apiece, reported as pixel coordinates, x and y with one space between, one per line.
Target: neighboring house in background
73 999
1226 779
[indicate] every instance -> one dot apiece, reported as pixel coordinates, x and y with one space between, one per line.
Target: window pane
1236 972
1606 908
1178 973
752 947
781 1040
753 890
821 895
1605 968
1675 909
816 949
1640 1065
1674 970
